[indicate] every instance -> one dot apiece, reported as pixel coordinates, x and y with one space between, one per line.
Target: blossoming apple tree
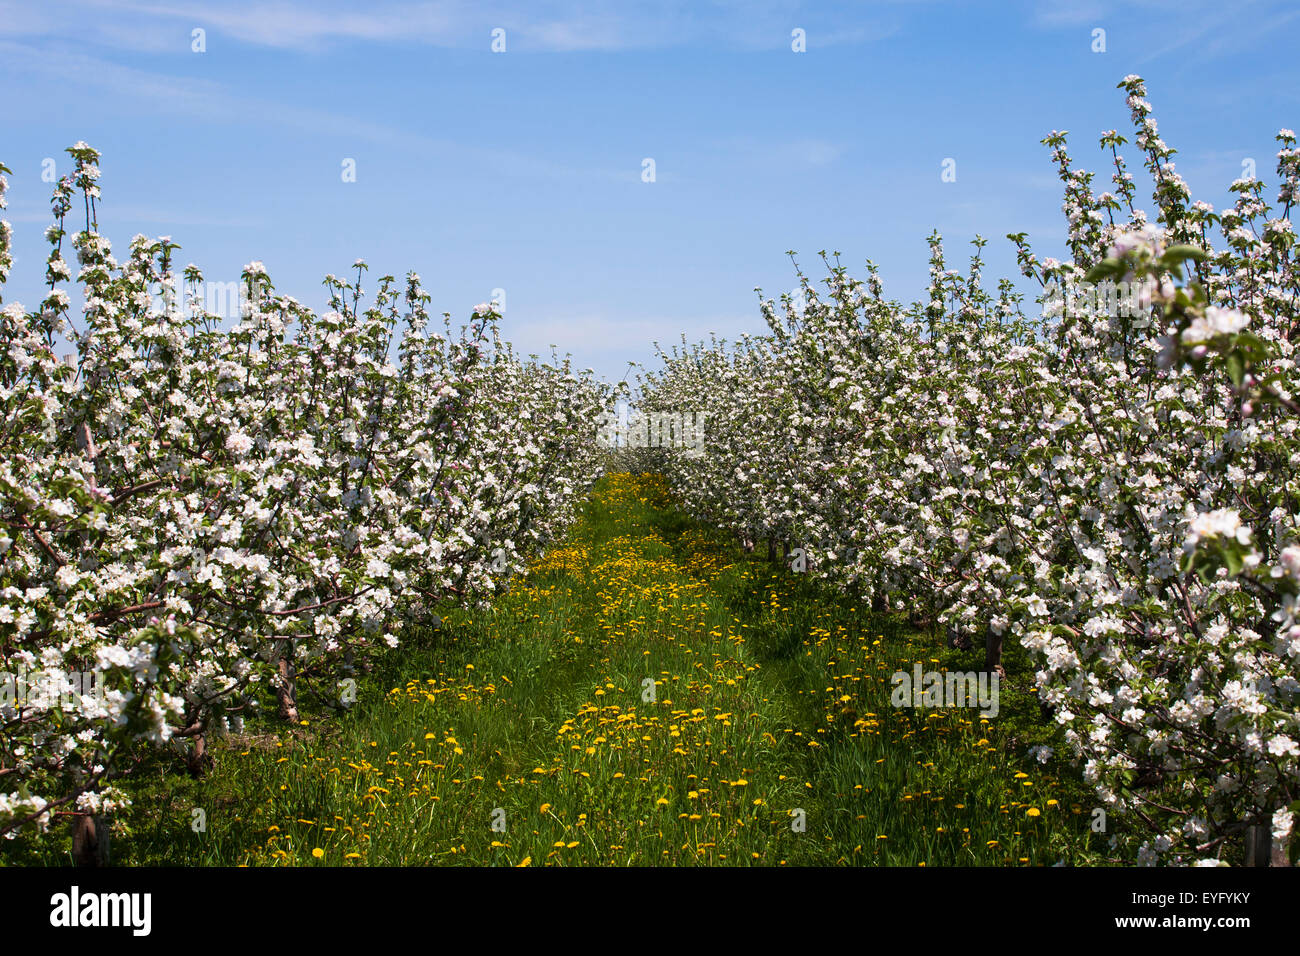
1113 482
203 515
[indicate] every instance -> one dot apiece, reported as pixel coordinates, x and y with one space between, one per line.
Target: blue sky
522 170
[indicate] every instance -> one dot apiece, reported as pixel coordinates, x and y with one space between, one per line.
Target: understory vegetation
526 733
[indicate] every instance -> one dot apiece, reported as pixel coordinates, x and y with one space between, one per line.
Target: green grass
526 732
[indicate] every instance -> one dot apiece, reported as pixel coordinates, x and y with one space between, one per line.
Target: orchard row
1112 480
205 514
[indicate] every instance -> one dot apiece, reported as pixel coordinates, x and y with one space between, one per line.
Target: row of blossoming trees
203 517
1115 484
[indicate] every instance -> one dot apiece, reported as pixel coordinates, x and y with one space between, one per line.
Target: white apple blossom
189 510
1121 495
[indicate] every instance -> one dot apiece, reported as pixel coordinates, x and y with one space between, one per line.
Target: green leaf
1107 268
1180 252
1235 367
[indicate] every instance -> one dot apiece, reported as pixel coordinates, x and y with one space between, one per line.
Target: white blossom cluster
1121 497
196 513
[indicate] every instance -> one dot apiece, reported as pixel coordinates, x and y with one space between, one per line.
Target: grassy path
647 695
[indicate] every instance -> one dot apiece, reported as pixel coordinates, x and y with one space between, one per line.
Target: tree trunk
1258 845
993 653
89 841
286 689
958 638
197 760
1261 850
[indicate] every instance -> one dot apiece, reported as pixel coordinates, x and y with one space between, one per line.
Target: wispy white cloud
815 152
751 151
1216 29
1237 29
171 94
50 66
287 24
598 333
153 216
539 25
1070 13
